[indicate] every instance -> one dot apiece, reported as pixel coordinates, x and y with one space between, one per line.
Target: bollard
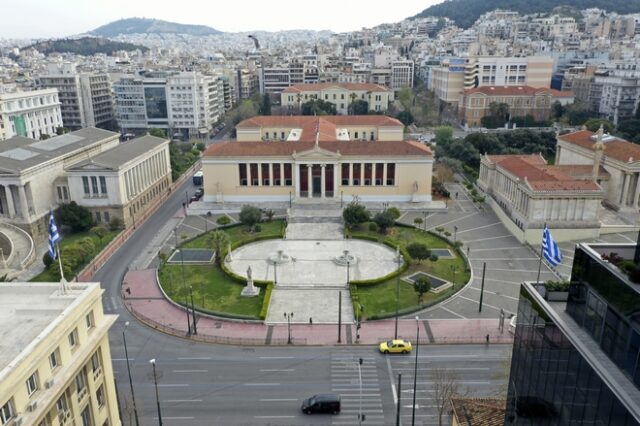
310 321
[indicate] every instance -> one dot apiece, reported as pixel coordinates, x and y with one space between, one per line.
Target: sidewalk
147 303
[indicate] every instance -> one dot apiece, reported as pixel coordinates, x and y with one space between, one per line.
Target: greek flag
550 249
54 237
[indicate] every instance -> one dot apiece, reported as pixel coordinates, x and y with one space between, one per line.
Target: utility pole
484 268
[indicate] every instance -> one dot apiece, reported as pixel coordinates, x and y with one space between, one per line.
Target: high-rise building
55 361
185 104
32 114
578 362
85 98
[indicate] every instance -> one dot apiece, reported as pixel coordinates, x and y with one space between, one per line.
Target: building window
81 381
85 184
95 362
89 320
73 338
107 219
103 185
94 185
98 217
6 412
86 416
32 383
54 359
100 396
281 135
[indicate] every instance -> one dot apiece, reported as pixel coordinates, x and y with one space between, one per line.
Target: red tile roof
533 170
301 121
515 91
616 148
324 86
283 148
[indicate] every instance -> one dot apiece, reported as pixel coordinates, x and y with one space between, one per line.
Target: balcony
97 373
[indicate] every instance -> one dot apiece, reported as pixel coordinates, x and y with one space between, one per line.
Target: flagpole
62 280
541 253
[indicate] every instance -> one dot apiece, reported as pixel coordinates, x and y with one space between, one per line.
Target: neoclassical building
526 193
619 158
340 94
326 158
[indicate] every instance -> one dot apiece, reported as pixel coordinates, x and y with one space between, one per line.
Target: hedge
265 302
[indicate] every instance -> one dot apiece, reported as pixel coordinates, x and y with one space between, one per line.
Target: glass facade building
577 364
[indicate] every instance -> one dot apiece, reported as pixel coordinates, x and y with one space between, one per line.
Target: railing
82 393
458 340
31 253
97 373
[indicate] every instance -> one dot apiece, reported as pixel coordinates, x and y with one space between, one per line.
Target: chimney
598 153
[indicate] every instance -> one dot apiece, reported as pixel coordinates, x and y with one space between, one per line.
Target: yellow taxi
397 346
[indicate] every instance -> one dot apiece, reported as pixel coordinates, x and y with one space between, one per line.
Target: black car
328 403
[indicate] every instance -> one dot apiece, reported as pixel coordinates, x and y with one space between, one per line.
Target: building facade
122 182
579 362
34 114
85 98
339 94
526 194
522 101
619 159
312 157
55 360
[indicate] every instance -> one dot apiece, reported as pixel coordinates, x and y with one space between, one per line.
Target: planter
557 296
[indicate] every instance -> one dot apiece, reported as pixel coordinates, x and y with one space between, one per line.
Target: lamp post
155 380
425 221
193 311
126 355
415 372
360 405
399 261
455 234
288 316
275 272
399 395
290 199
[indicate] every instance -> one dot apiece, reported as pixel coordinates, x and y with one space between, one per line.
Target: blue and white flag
54 237
550 249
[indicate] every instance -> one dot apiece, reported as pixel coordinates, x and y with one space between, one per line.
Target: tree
265 105
159 133
418 251
405 117
395 212
354 214
359 107
61 130
421 286
218 241
318 107
630 130
417 222
557 110
250 216
443 135
384 220
99 231
445 385
445 173
78 218
576 113
593 124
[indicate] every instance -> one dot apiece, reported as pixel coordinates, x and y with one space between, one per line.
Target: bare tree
445 385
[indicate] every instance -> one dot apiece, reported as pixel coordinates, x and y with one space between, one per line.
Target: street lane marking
479 227
277 399
267 370
261 384
175 418
276 357
122 359
190 371
182 400
188 358
451 312
169 385
486 304
274 417
495 294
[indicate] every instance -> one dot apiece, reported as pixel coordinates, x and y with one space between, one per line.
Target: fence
505 338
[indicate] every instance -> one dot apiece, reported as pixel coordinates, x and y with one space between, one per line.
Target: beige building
122 182
340 94
522 101
526 193
55 361
326 158
619 159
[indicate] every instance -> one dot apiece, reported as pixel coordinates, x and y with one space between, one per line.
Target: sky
60 18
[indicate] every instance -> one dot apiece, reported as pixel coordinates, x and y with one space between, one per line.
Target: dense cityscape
433 221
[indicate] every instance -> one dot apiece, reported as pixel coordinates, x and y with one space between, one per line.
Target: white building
186 104
402 73
30 114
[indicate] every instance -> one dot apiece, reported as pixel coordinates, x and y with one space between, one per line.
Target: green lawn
213 290
379 300
47 276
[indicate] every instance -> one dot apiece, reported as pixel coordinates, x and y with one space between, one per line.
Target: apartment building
85 98
339 94
185 104
402 73
275 79
247 83
55 360
34 114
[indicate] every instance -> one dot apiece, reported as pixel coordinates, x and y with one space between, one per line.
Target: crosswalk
346 372
110 304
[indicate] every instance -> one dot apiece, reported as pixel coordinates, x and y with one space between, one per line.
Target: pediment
316 153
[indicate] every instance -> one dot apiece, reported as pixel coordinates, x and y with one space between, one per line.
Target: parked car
328 403
397 346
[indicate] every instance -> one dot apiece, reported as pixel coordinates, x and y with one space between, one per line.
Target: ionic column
625 189
636 197
350 174
10 206
281 174
259 174
249 181
362 166
384 174
335 179
309 181
322 180
24 209
374 171
270 174
296 183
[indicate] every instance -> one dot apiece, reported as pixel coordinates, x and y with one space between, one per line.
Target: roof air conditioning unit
32 406
48 383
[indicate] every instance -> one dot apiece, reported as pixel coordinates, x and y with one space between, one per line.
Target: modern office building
85 98
275 79
402 74
55 361
184 104
339 94
328 158
578 362
32 114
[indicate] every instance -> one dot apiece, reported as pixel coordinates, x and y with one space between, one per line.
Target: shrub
418 251
99 231
384 220
269 213
393 211
47 260
557 285
116 223
474 192
422 286
78 218
440 229
417 222
355 214
200 146
447 234
257 228
223 220
250 215
373 227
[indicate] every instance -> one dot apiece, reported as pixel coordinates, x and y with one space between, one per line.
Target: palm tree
218 241
353 97
299 99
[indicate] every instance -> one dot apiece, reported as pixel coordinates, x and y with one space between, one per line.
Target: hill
466 12
151 26
83 46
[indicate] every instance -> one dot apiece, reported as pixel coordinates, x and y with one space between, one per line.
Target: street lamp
399 261
126 355
415 372
155 380
455 233
193 311
275 272
360 406
288 316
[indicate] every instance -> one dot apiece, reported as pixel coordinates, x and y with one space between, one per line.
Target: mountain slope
83 46
151 26
466 12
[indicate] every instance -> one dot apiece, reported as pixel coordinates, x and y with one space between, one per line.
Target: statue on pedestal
250 290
